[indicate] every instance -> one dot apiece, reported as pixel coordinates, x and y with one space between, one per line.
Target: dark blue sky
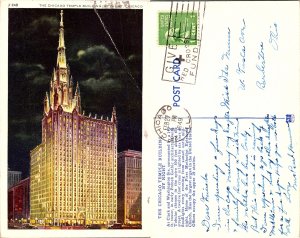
94 63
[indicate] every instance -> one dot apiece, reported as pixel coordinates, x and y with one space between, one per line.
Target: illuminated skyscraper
74 169
130 187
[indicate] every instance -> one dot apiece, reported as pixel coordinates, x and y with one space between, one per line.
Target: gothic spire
46 103
61 55
54 75
114 115
77 98
71 82
61 24
77 92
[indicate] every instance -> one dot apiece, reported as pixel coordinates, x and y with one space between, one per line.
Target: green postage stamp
178 28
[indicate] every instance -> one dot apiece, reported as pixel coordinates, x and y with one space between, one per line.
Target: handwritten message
246 185
252 177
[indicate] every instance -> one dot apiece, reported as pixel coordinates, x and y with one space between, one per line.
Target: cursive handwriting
226 55
260 66
273 37
241 66
247 191
225 94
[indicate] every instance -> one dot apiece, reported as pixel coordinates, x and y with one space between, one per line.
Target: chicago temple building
73 172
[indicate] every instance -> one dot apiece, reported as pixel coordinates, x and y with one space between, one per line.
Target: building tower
130 187
74 169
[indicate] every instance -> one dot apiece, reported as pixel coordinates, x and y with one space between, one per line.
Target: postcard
149 119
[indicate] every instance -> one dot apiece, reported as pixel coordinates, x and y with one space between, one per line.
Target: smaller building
130 187
13 177
18 201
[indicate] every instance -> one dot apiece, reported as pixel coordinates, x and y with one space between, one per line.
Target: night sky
94 63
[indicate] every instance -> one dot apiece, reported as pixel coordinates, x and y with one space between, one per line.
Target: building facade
130 187
74 169
18 201
13 177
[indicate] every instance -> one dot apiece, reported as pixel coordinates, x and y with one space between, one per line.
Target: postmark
125 4
172 123
180 31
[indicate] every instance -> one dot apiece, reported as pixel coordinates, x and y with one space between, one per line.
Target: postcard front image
75 100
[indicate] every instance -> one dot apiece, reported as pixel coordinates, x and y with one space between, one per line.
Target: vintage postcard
149 119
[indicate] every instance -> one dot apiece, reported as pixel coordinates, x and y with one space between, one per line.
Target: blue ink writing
273 39
260 66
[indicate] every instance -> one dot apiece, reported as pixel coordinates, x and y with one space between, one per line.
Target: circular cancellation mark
172 123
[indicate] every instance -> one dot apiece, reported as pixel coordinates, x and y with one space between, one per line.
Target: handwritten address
240 61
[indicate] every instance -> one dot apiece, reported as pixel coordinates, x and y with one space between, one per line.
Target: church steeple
61 55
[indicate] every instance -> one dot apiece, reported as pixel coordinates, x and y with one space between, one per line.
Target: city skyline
93 64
